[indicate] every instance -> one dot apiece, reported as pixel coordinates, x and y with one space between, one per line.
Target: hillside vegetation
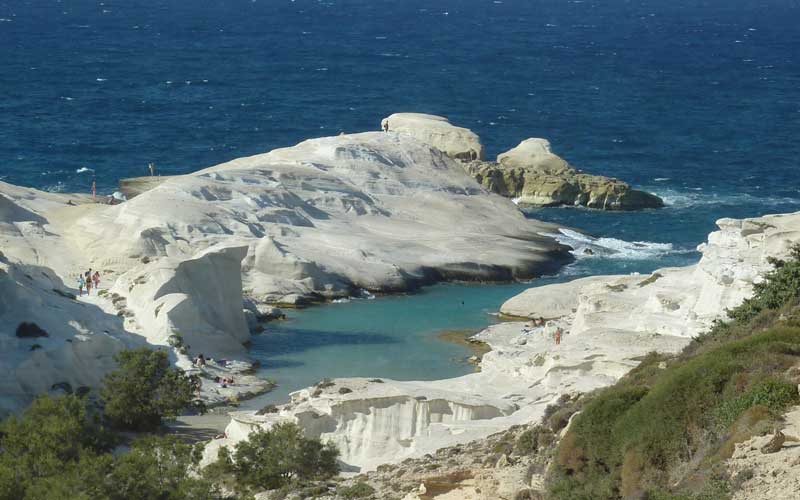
664 431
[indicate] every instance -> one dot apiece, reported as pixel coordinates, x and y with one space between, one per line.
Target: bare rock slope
181 261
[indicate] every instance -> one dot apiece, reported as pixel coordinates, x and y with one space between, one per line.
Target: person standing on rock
96 280
559 332
88 280
80 285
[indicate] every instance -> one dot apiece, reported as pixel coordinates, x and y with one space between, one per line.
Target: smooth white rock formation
327 218
457 142
331 216
609 322
534 152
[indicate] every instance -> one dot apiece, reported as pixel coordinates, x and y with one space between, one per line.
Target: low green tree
270 459
51 432
157 466
145 390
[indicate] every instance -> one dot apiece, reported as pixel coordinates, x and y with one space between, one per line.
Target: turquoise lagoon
397 336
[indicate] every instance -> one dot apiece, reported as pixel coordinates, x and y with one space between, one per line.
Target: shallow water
393 337
398 336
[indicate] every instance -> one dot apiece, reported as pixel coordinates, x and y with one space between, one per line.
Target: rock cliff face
326 218
608 323
530 173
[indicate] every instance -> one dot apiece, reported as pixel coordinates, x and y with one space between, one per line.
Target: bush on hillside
778 287
156 465
51 432
57 449
629 437
637 437
270 459
145 390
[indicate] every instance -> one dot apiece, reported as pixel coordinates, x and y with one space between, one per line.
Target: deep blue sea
696 100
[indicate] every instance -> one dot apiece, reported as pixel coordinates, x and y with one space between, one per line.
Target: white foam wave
585 246
83 169
696 197
58 187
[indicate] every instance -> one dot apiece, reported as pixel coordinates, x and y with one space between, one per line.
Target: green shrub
629 437
145 390
777 288
57 449
51 432
774 394
159 467
358 490
270 459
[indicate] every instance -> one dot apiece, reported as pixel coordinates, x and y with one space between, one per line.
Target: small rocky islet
530 173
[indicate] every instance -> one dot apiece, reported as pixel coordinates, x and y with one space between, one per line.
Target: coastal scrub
664 429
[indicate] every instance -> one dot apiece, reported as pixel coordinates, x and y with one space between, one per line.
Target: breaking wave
584 246
696 197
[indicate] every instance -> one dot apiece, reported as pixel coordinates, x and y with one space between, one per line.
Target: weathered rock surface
331 216
533 175
768 476
530 173
456 142
326 218
608 322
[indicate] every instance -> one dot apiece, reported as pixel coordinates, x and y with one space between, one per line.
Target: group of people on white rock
88 280
541 323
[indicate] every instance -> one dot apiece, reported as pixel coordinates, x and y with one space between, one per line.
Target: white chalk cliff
326 218
609 323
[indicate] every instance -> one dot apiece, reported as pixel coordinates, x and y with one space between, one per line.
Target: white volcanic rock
325 218
609 322
673 301
457 142
330 216
534 153
190 298
768 476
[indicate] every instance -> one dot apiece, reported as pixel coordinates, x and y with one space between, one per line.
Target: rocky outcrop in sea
530 173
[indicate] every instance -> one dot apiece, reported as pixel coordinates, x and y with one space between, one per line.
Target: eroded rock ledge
609 323
530 173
